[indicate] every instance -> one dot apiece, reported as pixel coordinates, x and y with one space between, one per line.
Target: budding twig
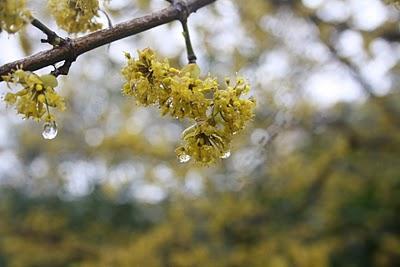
56 41
64 69
52 37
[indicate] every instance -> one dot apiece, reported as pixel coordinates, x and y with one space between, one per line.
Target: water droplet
49 130
184 158
169 102
226 155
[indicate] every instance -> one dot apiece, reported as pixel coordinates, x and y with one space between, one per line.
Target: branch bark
99 38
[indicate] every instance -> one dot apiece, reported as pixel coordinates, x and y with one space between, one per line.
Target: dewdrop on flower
226 154
50 130
183 158
36 98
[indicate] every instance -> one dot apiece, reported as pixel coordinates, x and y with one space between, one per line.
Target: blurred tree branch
352 68
390 111
99 38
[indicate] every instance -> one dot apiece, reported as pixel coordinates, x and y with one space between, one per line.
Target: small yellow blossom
233 110
36 97
204 142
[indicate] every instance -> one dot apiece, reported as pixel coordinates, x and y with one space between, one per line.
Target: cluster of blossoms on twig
218 113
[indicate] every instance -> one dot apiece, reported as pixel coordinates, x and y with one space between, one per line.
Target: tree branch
99 38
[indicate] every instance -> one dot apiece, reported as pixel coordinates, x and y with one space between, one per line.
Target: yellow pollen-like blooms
218 112
36 96
75 16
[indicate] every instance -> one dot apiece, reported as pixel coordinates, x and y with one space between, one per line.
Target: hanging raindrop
226 155
50 130
13 28
169 102
184 158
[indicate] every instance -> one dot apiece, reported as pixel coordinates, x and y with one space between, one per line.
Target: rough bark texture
99 38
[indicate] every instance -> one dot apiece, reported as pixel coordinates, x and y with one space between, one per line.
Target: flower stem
190 52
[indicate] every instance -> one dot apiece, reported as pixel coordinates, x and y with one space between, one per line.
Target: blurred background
313 181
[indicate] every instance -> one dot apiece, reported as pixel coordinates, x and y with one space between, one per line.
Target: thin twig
52 37
190 52
182 7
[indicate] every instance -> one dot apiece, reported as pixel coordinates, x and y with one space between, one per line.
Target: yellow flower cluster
13 15
36 96
204 142
75 16
233 110
218 113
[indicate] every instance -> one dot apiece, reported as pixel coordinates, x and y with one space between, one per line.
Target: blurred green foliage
334 202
